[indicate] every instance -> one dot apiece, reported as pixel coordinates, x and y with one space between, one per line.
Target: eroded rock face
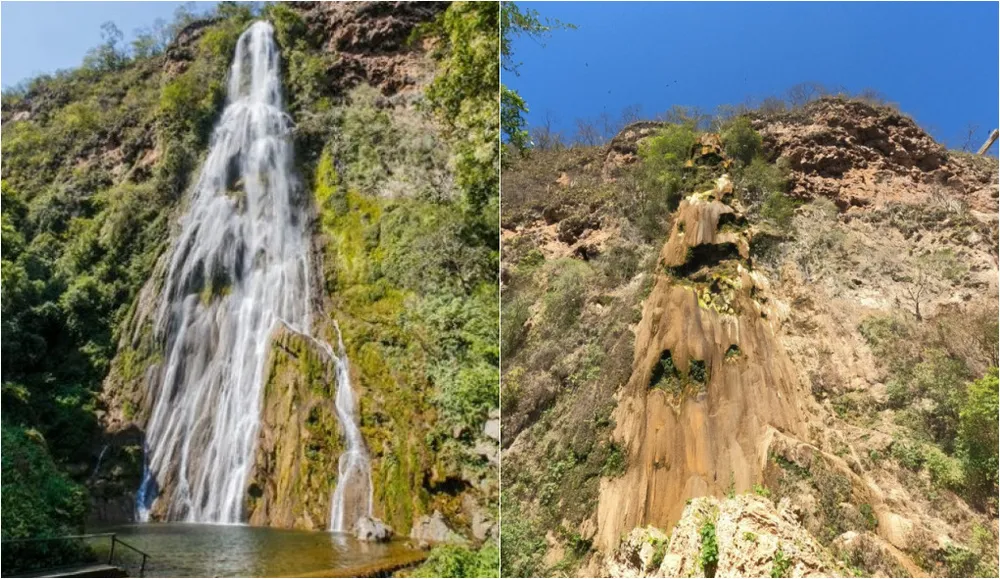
709 377
370 40
859 154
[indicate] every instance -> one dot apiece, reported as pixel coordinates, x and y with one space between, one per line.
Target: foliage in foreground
459 561
38 500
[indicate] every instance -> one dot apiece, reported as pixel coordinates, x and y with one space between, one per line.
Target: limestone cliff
806 329
709 381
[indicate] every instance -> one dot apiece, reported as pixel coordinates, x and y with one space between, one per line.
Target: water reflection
193 550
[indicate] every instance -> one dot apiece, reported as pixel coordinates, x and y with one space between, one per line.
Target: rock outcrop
371 42
741 536
369 529
709 377
754 538
860 154
300 440
432 529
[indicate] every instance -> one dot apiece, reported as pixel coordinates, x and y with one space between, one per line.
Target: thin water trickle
240 264
353 468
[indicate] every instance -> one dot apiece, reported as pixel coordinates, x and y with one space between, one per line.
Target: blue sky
43 37
938 61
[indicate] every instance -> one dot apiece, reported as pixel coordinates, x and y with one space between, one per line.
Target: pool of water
188 550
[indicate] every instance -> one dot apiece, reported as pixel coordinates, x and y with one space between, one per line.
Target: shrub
977 435
621 263
662 175
698 372
516 313
868 514
960 562
523 543
756 182
38 500
740 141
567 293
460 561
779 209
781 565
615 463
708 556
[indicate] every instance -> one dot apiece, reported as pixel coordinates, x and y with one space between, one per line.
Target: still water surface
192 550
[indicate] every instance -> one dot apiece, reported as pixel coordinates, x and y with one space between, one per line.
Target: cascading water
353 467
239 267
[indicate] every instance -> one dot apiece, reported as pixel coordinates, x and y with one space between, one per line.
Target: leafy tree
463 94
110 55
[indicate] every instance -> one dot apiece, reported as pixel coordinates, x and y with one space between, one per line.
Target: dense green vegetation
410 261
85 217
457 561
38 499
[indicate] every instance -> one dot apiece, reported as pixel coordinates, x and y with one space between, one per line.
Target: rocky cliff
766 334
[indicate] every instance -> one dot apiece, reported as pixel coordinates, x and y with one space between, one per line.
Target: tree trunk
989 142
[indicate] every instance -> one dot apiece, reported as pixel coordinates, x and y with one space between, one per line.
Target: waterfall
239 266
353 469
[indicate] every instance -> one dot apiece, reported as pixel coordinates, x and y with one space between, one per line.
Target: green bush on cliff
664 154
464 93
567 293
756 184
523 544
663 178
740 141
931 384
708 556
977 435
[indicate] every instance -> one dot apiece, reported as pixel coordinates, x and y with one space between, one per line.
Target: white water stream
239 267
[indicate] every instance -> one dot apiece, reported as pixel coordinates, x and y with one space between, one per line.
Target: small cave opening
732 353
665 374
451 485
731 222
705 255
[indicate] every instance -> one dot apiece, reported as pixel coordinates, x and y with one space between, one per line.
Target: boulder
372 529
492 428
754 538
428 530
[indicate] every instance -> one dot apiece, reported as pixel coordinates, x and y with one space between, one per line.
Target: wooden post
989 142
